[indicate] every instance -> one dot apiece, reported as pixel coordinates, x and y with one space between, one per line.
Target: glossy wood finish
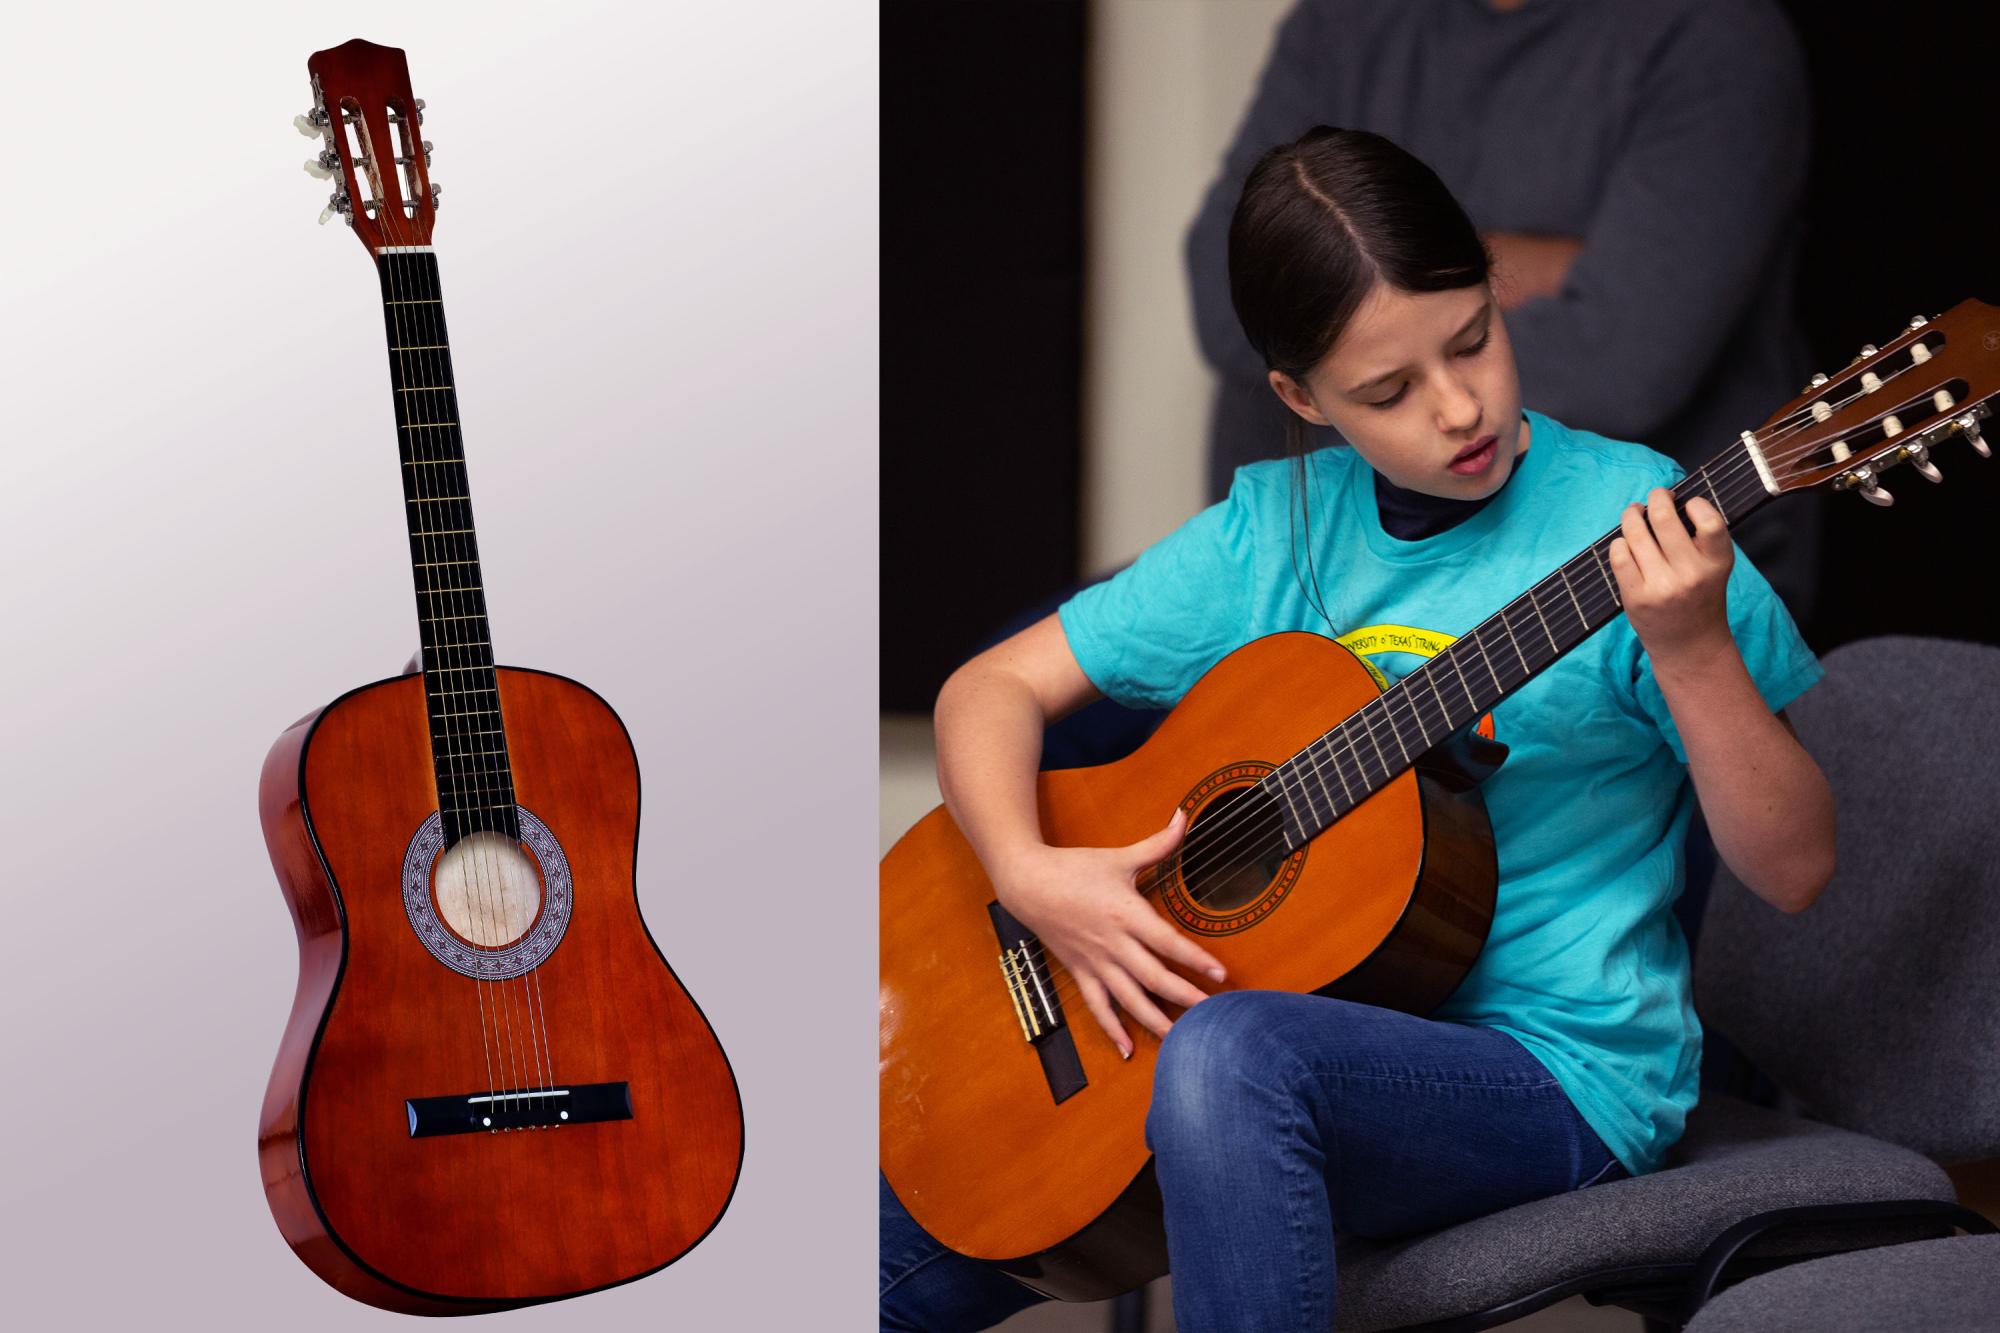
468 1222
1396 898
371 82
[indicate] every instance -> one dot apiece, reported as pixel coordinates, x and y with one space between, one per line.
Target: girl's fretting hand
1672 583
1084 905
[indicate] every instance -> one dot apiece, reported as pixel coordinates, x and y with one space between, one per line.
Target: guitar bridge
1031 989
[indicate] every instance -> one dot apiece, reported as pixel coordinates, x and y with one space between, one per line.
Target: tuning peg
1819 378
338 202
323 168
312 124
1874 494
1918 321
1920 459
1970 425
1869 349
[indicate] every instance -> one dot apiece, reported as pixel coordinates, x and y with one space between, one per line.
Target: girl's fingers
1711 531
1099 1004
1157 847
1159 935
1639 543
1624 569
1156 977
1132 998
1676 545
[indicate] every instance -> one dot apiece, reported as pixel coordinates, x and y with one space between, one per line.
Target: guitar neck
1462 683
468 744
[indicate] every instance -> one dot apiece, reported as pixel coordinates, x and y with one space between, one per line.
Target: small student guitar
1348 860
492 1090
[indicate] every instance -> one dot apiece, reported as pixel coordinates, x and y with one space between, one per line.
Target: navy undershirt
1412 515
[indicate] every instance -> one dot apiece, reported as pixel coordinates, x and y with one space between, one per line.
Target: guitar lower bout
493 1091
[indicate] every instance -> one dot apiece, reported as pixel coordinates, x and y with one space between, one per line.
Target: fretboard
475 783
1485 665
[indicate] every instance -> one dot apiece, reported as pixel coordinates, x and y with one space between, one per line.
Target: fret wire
1601 558
1581 619
1390 695
1479 642
1384 702
1471 699
1366 726
1313 750
1444 712
1536 603
1519 656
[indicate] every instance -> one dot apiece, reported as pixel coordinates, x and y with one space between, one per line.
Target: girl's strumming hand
1084 904
1672 582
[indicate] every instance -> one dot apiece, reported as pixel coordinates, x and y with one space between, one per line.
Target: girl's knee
1219 1062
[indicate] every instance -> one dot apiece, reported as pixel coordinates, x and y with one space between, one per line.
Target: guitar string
465 603
445 549
533 1001
1734 473
466 674
429 551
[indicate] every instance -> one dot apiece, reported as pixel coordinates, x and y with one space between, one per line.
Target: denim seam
1427 1081
1313 1297
911 1271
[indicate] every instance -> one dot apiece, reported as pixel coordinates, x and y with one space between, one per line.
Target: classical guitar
1353 859
492 1089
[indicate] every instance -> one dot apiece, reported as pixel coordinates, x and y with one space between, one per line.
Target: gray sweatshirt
1671 136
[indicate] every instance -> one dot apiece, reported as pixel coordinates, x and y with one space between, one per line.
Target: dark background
982 288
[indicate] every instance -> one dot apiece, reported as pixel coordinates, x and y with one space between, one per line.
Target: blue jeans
1278 1119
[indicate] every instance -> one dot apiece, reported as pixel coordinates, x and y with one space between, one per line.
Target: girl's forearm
1768 806
989 747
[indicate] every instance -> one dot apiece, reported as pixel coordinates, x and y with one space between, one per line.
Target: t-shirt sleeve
1779 661
1145 634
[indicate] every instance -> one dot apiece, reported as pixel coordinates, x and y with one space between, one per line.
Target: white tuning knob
305 125
1874 494
1920 459
315 167
326 215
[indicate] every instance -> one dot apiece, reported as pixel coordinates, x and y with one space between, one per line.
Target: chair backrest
1878 1007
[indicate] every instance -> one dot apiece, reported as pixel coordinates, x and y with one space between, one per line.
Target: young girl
1569 1053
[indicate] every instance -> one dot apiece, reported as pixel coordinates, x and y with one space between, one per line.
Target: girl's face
1423 386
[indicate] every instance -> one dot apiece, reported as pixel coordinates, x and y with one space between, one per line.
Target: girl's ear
1294 397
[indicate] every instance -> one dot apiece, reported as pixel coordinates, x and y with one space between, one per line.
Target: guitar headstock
1892 404
370 128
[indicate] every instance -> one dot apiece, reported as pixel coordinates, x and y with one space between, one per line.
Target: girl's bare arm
1081 901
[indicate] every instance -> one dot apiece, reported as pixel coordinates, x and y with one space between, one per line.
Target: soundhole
1234 850
487 889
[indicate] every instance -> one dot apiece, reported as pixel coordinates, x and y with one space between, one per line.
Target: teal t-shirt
1585 964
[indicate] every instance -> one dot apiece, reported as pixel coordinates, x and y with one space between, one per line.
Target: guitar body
457 1222
1388 906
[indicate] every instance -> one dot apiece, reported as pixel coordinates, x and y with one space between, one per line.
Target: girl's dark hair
1321 220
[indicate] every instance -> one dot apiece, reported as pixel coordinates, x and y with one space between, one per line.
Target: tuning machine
339 203
1862 481
326 166
1970 425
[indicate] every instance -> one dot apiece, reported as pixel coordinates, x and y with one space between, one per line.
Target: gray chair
1938 1286
1876 1013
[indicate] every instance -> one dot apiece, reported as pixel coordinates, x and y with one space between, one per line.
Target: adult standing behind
1635 167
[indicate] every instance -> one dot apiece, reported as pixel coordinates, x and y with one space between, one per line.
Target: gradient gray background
658 244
